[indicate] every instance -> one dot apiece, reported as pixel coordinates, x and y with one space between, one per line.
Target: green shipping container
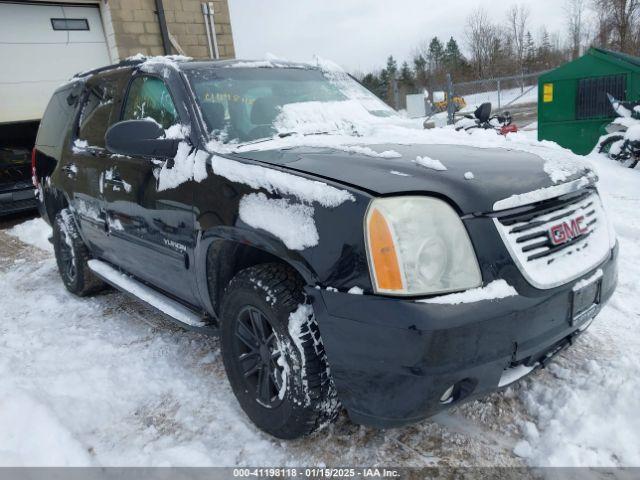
572 99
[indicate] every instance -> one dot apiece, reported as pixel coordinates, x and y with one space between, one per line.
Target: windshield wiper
289 134
280 135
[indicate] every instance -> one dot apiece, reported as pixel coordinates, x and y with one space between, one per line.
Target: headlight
418 246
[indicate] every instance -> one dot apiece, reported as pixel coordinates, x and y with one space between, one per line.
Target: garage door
41 46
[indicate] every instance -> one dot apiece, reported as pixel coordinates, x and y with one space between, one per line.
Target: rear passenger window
96 112
56 117
149 98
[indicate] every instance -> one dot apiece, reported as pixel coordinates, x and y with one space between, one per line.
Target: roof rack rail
127 62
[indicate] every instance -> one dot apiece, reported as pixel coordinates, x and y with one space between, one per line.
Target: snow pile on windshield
291 223
275 181
493 291
342 118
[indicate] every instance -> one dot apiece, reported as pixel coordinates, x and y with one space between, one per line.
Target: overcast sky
360 34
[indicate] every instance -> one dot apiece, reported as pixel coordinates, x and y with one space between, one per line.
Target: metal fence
502 92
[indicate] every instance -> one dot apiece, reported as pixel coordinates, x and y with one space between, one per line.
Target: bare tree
575 17
621 16
482 40
518 18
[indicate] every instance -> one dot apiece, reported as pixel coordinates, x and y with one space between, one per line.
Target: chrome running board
126 283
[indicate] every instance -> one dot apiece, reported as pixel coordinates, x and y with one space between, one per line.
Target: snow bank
493 291
291 223
276 181
32 436
34 232
588 418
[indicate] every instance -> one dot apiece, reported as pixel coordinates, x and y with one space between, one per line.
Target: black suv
246 199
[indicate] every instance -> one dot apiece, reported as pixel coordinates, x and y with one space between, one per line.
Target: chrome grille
527 233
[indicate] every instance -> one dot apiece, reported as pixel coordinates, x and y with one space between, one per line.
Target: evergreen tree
375 85
529 52
420 67
406 75
545 50
392 66
452 56
436 53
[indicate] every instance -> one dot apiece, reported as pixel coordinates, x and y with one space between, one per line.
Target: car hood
474 179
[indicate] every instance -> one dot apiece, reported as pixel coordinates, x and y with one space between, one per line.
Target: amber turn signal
383 254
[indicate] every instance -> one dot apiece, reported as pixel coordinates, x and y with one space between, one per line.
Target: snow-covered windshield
246 104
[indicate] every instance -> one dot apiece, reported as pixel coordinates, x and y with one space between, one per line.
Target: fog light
447 396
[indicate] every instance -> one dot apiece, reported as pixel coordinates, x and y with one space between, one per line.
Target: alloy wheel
259 353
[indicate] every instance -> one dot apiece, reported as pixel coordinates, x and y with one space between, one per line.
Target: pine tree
436 53
529 52
452 56
544 51
392 66
406 75
420 67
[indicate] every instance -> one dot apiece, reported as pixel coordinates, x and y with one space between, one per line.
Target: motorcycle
622 142
481 118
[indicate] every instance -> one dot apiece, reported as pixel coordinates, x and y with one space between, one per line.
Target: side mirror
140 138
483 112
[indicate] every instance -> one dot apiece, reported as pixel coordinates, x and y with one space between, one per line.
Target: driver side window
149 98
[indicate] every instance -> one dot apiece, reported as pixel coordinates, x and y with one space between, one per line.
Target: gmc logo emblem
567 231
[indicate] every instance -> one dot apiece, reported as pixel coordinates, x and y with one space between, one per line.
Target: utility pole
451 107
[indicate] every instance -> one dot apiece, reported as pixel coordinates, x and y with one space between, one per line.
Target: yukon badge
566 231
175 245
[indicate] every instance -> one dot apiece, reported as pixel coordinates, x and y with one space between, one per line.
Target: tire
270 338
72 257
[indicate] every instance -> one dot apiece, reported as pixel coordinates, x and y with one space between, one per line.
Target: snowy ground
508 97
108 381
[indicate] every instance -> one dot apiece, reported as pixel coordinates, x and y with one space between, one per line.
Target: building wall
132 27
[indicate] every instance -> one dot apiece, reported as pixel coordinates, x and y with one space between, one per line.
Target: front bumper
18 199
392 359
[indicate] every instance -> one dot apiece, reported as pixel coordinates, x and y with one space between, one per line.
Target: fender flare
229 239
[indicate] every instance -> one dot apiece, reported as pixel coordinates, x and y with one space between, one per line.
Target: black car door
152 229
84 157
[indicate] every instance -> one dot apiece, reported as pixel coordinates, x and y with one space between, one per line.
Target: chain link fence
502 92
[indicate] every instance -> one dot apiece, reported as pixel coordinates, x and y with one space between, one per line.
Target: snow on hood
348 123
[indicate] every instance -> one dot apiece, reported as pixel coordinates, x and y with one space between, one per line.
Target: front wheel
273 353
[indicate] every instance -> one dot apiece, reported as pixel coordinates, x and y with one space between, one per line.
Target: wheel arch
221 254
